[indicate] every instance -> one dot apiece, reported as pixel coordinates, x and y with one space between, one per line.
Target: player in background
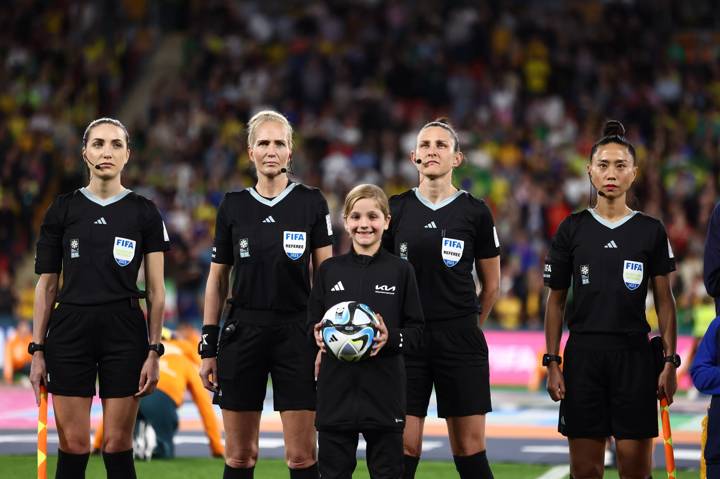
17 362
609 385
445 232
267 235
367 396
93 328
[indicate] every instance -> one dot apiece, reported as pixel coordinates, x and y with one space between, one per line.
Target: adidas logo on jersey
611 244
338 287
269 219
431 225
100 221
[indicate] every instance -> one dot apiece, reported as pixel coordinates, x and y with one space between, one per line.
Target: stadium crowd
527 84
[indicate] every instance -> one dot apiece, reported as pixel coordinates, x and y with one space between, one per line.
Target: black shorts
260 343
610 387
108 342
454 358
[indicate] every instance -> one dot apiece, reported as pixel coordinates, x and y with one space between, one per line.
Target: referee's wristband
208 345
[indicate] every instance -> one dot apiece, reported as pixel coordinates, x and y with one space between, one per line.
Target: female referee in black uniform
267 235
608 385
97 237
444 232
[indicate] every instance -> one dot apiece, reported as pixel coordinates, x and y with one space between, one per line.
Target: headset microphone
418 161
283 170
97 167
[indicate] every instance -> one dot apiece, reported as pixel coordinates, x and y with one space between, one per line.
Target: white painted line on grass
546 449
557 472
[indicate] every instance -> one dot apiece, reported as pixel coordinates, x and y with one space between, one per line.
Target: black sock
473 467
410 464
307 473
237 473
71 466
119 465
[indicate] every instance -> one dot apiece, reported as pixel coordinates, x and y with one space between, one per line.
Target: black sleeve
487 243
49 252
316 301
388 239
154 234
321 234
663 259
223 246
711 260
407 338
558 262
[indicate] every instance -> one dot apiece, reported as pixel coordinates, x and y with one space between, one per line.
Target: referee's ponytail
613 132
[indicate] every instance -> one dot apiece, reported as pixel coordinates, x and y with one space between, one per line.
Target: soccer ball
348 330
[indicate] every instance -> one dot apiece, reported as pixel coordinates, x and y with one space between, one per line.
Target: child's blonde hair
370 192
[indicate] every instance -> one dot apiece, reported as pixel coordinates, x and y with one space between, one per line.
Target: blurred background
528 85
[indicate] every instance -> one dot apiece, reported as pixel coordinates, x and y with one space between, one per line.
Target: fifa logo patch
244 250
452 250
74 248
123 250
632 274
294 243
585 274
403 251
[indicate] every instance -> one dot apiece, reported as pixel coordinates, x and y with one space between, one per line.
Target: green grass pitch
200 468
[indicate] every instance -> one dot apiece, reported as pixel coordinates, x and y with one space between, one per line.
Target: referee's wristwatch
159 348
35 347
549 358
673 359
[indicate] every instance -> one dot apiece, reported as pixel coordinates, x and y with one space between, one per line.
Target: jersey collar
612 224
106 201
275 200
436 206
363 258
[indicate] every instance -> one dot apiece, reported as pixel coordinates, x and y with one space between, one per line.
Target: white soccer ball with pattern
348 330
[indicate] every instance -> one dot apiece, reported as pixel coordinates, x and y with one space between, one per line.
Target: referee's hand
208 374
149 375
667 383
38 374
555 382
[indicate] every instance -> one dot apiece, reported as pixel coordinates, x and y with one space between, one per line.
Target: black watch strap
35 347
159 348
673 359
549 358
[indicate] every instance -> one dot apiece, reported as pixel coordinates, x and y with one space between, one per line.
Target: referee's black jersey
442 241
270 242
99 244
609 266
368 394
